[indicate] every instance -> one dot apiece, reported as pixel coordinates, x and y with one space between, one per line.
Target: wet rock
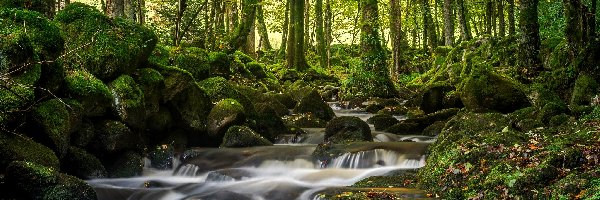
268 123
404 128
128 102
119 46
305 121
33 181
383 122
82 164
425 121
152 84
82 137
112 137
313 103
489 91
226 113
347 129
242 136
124 165
218 88
161 157
53 119
20 148
192 105
158 124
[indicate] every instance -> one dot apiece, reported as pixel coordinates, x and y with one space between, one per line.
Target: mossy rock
192 105
383 122
307 120
193 60
433 98
19 148
441 115
242 136
268 123
224 114
488 91
106 47
434 129
160 56
93 94
33 181
84 134
175 81
44 34
347 129
366 84
313 103
218 88
585 88
152 84
404 128
53 119
127 164
42 6
159 124
285 99
82 164
219 64
128 102
161 157
112 137
257 70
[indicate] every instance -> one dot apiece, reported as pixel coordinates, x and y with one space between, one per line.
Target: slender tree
181 7
328 30
307 42
501 22
115 8
285 31
528 60
262 28
321 50
429 35
448 23
396 35
488 17
511 17
295 47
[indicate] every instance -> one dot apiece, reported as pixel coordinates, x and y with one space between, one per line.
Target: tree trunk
240 36
448 23
115 8
262 29
250 47
501 22
321 50
429 35
529 47
465 32
232 15
396 36
307 42
295 54
511 17
182 6
284 32
356 19
488 17
328 30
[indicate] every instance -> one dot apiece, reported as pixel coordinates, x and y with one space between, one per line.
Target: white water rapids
283 171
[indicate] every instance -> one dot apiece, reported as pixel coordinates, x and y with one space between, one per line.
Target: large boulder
30 180
193 60
128 102
94 95
218 88
127 164
18 148
112 137
152 84
53 119
105 47
489 91
347 129
584 90
313 103
382 122
226 113
82 164
268 123
242 136
84 134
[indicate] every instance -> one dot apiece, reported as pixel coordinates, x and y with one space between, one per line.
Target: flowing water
283 171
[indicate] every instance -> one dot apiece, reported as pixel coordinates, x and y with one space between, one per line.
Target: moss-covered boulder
307 120
34 181
193 60
366 84
105 47
84 134
489 91
313 103
426 120
284 98
94 95
586 87
175 81
404 128
347 129
192 105
42 6
53 119
127 164
435 98
152 84
158 125
268 123
226 113
82 164
112 137
128 102
219 64
257 70
19 148
434 129
242 136
161 157
218 88
383 122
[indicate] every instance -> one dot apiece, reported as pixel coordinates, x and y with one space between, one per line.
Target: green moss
82 164
268 122
152 84
313 103
583 91
224 114
160 56
256 69
41 6
84 134
19 148
33 181
591 116
106 47
193 60
193 105
382 122
112 137
242 136
44 34
347 129
128 101
52 116
368 84
488 91
218 88
93 94
219 64
243 57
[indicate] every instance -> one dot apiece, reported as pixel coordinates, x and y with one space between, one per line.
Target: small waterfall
374 158
187 170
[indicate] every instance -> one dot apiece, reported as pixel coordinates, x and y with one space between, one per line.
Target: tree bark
465 32
307 42
488 17
448 23
232 15
182 6
529 47
250 47
511 17
240 36
284 32
396 36
501 22
115 8
262 28
429 35
321 50
295 54
328 30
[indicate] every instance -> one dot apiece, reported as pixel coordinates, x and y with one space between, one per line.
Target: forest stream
284 171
